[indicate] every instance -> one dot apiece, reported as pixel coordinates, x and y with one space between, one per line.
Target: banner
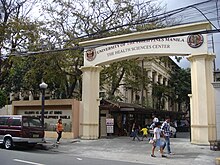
171 46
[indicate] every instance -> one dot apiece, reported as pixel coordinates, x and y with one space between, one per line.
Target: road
42 157
108 151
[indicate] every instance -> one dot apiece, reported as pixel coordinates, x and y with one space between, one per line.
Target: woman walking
156 140
59 129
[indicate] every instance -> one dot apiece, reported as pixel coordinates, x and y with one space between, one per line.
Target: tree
24 74
3 98
126 73
98 18
160 95
67 23
18 33
180 85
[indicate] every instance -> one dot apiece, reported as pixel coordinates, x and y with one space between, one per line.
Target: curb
47 145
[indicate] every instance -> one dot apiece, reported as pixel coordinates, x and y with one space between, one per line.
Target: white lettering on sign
155 47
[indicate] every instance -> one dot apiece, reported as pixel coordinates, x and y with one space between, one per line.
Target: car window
3 121
16 122
35 122
31 122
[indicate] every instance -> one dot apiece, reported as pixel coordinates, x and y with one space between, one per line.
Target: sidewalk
124 149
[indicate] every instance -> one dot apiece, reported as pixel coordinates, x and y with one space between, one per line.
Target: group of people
160 131
136 129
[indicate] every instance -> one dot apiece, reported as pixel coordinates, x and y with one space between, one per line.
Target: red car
18 129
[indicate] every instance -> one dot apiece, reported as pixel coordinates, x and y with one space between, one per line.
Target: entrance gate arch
153 43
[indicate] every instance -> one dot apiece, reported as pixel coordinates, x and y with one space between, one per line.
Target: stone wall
67 109
7 110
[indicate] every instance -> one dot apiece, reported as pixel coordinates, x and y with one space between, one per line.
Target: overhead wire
202 8
147 19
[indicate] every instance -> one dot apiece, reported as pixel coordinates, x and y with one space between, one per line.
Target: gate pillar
203 125
89 115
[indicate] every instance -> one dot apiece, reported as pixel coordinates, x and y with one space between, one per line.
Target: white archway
153 43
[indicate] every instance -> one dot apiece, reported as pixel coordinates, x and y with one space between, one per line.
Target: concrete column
217 108
167 101
20 96
149 89
30 96
203 126
155 77
150 76
89 123
161 79
166 82
12 96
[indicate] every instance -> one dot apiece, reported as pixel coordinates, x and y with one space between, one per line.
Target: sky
175 4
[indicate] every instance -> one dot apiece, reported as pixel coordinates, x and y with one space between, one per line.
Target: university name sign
173 46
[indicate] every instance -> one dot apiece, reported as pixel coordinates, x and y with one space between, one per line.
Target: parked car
173 131
18 129
183 126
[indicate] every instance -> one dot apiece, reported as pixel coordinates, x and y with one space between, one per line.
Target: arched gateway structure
153 43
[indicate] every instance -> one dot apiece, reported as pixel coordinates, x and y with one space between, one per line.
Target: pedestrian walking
157 142
167 133
135 130
144 131
155 120
59 130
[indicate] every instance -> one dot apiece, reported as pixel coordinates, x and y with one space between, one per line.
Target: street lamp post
43 86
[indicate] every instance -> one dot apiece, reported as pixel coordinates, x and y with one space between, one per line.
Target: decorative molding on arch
159 42
216 84
194 57
169 31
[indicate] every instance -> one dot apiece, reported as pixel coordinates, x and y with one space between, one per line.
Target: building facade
157 70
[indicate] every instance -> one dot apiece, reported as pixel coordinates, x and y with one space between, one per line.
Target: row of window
27 121
10 121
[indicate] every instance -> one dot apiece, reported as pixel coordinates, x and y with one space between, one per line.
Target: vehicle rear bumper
27 140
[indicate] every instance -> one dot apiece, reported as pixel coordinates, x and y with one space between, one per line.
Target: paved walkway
124 149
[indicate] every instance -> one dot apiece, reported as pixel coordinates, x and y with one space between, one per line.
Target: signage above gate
170 46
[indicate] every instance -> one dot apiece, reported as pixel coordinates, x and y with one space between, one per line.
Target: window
31 122
3 121
34 122
137 97
16 122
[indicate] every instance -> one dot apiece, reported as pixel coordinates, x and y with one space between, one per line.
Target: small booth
125 114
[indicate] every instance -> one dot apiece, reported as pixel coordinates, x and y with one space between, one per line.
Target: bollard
217 161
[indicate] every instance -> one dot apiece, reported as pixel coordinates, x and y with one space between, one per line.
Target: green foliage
18 34
66 23
57 70
3 98
177 91
127 73
180 83
159 93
